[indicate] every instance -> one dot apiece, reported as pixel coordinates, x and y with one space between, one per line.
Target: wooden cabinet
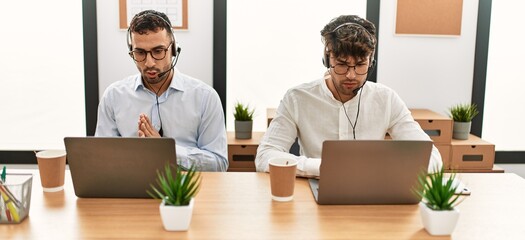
242 152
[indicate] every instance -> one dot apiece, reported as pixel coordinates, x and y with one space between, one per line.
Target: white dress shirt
312 114
190 112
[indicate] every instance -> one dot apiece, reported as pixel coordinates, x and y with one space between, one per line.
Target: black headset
326 55
174 51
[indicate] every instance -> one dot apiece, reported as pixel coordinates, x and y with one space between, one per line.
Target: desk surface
238 206
254 141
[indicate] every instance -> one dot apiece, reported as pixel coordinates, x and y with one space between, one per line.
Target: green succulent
437 191
176 190
243 113
463 112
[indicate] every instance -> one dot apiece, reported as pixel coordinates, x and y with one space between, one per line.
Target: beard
155 79
345 90
347 87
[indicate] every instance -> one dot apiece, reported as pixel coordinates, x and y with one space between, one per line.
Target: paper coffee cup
52 168
282 178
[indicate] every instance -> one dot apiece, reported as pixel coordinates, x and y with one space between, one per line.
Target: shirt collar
326 90
177 82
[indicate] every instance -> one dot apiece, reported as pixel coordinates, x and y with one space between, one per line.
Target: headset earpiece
128 40
175 52
326 60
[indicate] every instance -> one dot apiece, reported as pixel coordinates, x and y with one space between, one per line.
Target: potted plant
177 194
243 121
438 201
462 114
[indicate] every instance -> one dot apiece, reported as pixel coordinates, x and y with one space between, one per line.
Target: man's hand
145 127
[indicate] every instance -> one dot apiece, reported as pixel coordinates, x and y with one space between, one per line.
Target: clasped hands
145 127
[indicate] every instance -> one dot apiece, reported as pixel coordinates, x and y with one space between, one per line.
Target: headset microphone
167 71
370 71
172 65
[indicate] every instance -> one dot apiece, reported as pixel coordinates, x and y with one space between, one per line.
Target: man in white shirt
340 105
161 101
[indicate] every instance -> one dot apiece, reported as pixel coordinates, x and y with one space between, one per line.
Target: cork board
429 17
176 10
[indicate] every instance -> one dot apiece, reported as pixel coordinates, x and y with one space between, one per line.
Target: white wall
504 102
42 74
426 71
274 45
196 56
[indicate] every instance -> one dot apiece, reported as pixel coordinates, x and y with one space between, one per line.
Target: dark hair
150 20
351 39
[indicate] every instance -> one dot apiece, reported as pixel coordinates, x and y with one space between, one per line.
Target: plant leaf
436 191
176 189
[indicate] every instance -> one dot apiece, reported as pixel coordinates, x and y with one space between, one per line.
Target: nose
150 61
351 72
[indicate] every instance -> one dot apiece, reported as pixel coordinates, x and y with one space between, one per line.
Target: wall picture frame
176 10
429 17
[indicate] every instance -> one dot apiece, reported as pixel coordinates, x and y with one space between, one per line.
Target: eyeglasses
156 53
341 69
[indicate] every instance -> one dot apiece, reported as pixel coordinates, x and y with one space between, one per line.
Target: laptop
370 171
117 167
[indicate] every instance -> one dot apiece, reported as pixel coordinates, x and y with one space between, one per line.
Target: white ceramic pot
176 218
438 222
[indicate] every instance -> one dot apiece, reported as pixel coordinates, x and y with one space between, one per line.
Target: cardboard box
242 152
437 126
473 153
444 150
270 115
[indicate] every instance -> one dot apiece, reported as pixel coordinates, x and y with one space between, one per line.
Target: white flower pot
176 218
438 222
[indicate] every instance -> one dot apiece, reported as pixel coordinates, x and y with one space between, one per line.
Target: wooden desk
494 169
238 206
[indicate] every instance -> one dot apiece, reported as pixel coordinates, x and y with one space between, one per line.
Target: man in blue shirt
163 102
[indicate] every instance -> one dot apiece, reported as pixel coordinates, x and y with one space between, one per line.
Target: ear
372 63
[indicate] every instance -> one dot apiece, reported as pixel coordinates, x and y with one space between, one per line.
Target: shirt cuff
310 167
182 156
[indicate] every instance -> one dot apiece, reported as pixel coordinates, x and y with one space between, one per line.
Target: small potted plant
177 194
243 121
438 201
462 114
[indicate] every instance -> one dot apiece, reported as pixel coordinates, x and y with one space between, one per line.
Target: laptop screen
117 167
371 171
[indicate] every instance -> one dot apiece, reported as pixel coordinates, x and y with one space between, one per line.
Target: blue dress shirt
190 112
